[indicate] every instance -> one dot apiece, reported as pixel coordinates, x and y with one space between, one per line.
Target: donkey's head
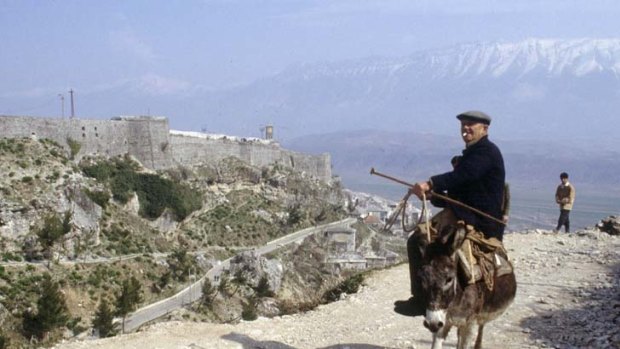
439 276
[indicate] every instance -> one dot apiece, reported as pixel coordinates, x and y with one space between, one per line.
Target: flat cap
474 115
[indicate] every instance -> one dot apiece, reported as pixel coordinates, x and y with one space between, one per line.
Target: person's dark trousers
416 243
564 220
416 305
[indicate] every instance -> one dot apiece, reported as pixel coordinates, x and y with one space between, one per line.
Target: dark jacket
477 181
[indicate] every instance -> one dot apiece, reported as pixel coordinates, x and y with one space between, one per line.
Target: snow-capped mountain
497 59
551 84
552 57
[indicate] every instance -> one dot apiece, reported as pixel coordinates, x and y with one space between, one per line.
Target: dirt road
568 297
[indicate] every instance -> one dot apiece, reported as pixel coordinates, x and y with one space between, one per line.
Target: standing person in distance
565 197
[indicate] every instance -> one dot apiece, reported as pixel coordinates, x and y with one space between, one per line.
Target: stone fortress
150 140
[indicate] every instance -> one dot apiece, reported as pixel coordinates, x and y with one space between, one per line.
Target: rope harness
489 255
401 209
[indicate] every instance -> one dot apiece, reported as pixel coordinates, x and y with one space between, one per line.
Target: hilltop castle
150 140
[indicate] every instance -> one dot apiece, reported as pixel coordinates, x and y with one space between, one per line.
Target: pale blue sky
175 47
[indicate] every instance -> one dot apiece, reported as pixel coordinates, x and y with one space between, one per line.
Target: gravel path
568 297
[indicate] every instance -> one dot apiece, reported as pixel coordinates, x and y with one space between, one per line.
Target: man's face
564 180
472 131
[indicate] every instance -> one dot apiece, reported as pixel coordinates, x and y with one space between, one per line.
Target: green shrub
263 289
4 341
123 186
157 193
154 192
100 171
74 145
349 286
249 312
54 227
101 198
9 256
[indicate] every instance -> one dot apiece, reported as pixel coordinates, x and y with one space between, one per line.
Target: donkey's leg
465 336
478 344
440 336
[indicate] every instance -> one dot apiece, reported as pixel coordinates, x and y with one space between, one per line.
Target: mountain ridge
576 56
534 89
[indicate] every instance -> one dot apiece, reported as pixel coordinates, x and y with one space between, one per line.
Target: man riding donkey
472 196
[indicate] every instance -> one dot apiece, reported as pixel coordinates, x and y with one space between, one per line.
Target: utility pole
62 105
72 108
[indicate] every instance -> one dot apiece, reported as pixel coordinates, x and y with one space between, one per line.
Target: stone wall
190 148
151 142
145 138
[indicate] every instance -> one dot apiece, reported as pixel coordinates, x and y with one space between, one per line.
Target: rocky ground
568 297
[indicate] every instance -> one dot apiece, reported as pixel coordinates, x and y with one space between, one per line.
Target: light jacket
565 196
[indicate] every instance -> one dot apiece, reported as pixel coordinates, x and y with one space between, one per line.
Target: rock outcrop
610 225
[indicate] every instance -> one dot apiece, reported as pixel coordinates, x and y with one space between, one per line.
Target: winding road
194 291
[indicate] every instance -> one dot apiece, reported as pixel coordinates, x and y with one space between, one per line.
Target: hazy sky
170 47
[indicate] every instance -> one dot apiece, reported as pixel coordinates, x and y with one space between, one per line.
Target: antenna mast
72 108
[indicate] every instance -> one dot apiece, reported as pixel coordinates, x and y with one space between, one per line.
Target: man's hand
419 188
505 219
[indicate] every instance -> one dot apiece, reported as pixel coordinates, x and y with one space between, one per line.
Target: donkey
451 301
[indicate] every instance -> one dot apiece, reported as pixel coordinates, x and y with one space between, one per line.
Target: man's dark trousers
416 243
564 220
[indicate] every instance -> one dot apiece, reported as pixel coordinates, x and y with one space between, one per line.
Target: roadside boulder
610 225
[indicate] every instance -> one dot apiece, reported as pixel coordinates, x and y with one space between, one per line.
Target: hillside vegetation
106 235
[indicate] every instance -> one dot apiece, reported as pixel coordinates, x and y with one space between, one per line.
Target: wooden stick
443 197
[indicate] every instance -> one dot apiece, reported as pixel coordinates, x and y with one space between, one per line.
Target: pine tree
224 284
208 293
263 289
52 230
180 263
238 280
128 298
51 312
103 321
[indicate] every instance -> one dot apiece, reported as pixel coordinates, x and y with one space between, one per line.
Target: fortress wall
319 165
145 138
94 136
150 141
189 150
